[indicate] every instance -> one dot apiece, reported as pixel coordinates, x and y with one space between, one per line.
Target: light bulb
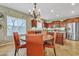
29 10
57 15
73 12
39 10
52 11
33 9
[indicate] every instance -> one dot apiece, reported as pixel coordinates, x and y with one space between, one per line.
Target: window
15 25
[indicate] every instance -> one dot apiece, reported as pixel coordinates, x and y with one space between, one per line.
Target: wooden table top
49 37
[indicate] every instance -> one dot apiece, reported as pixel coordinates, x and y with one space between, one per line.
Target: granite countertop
61 30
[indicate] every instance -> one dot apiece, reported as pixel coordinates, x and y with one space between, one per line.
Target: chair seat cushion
49 44
22 46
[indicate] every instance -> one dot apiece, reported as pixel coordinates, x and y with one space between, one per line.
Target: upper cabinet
54 24
71 20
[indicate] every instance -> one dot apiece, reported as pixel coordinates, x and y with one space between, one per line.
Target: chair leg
44 51
54 51
15 52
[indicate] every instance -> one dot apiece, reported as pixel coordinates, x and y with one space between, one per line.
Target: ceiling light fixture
52 11
35 12
73 4
57 15
73 12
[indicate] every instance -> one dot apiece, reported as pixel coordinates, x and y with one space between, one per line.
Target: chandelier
35 13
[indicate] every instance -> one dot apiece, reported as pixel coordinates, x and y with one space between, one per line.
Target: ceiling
59 10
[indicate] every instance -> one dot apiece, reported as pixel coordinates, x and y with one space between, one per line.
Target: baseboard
5 44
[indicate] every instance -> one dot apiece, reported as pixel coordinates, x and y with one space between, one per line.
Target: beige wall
7 11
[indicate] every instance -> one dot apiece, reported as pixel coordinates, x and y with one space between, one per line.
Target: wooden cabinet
71 20
50 25
45 24
62 24
60 38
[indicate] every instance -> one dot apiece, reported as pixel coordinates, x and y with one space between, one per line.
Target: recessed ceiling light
73 12
29 10
52 11
73 3
39 10
57 15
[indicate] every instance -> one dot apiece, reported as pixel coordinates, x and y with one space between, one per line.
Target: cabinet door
60 38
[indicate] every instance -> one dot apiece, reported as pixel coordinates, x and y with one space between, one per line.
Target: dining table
47 38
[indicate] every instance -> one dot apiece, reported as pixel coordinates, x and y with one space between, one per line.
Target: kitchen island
60 33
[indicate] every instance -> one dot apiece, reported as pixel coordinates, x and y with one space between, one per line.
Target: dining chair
17 42
30 32
51 43
44 33
35 45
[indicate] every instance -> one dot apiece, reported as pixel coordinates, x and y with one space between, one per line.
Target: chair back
16 39
55 37
44 33
35 45
30 32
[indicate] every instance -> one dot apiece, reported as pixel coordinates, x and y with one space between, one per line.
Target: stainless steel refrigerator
72 31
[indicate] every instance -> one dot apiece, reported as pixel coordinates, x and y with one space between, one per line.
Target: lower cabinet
60 38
